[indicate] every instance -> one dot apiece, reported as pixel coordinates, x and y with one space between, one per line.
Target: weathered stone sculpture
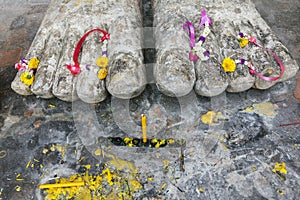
54 44
174 72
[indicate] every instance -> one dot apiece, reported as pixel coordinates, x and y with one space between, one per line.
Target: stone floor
231 158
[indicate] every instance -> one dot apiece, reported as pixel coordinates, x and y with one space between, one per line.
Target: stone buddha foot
63 26
229 24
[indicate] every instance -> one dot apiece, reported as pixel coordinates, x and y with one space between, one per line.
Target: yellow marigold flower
102 73
102 61
228 65
243 42
27 78
33 63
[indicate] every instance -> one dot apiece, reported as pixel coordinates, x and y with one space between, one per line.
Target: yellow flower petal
33 63
27 78
102 73
284 171
201 190
102 61
279 167
97 152
18 188
211 117
88 166
228 65
243 42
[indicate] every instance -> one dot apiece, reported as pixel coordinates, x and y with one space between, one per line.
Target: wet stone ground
232 157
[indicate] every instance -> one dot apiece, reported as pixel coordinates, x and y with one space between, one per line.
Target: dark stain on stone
19 107
18 22
1 121
237 10
244 128
33 142
9 143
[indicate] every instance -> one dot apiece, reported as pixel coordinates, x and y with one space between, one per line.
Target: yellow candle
144 128
60 185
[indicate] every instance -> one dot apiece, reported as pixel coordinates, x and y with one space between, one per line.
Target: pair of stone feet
174 72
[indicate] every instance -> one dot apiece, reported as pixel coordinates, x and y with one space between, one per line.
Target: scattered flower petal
97 152
279 167
252 39
193 56
211 117
243 61
207 53
18 188
201 190
243 42
281 192
202 38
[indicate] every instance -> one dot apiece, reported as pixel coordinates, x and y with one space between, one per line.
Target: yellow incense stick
60 185
144 128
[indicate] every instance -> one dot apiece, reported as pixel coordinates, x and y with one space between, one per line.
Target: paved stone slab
9 57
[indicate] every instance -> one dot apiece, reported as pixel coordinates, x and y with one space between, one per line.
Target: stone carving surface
64 24
175 75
